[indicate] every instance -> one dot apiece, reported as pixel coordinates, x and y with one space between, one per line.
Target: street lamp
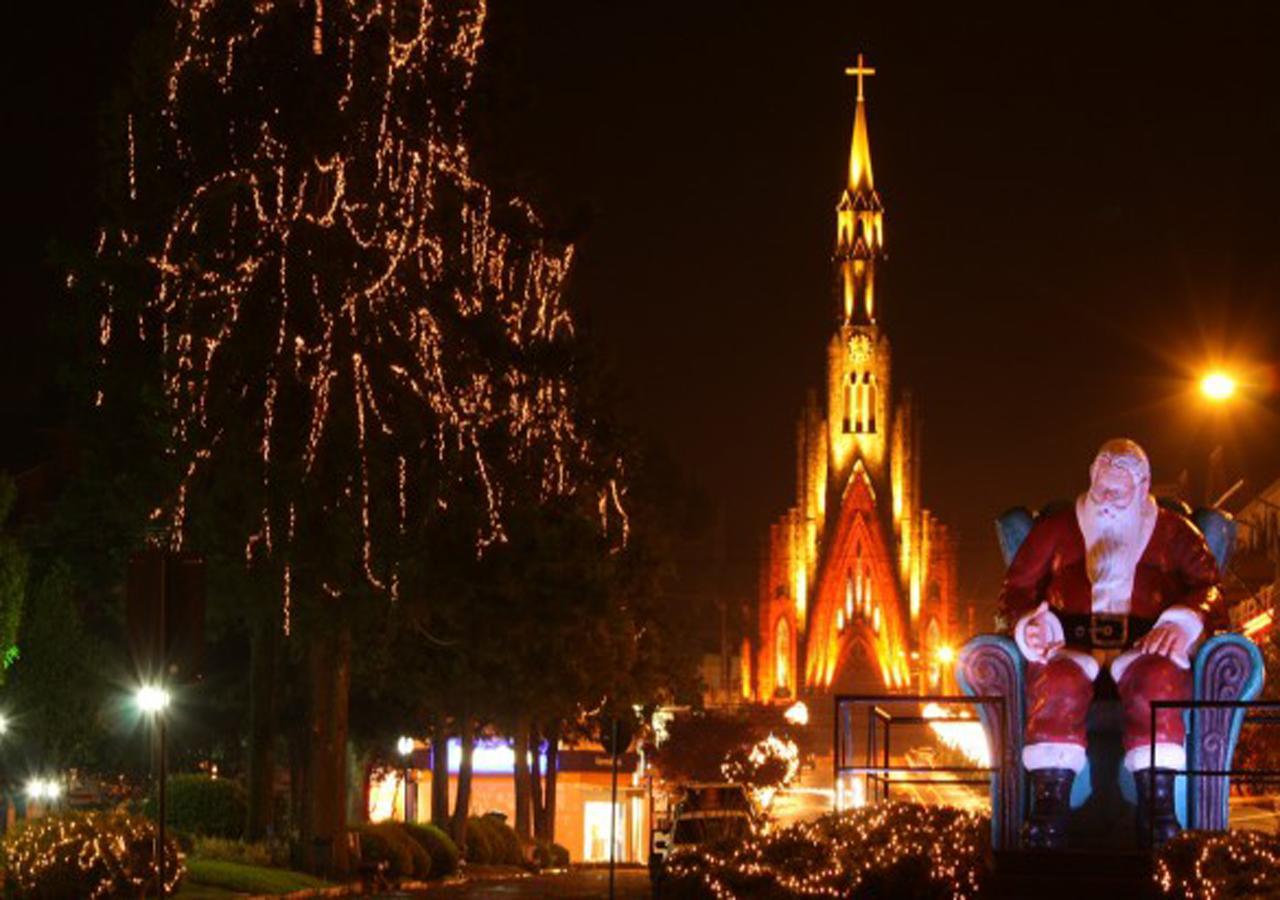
1218 386
153 701
404 747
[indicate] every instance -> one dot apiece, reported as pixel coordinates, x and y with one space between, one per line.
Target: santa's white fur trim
1056 634
1168 756
1054 755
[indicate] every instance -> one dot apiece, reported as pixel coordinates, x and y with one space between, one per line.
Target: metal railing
1258 775
881 772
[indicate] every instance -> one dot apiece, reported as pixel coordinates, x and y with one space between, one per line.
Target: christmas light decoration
1198 865
334 295
837 855
94 855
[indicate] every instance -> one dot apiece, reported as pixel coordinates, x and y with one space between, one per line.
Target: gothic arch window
848 595
848 408
782 656
859 404
866 587
869 395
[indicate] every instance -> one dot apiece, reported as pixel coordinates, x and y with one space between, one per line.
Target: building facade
857 585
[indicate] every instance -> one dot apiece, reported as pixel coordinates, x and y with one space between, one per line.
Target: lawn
208 879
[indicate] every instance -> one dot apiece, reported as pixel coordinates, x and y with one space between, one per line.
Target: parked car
705 813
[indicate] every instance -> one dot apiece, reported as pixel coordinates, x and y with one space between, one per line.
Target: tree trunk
298 780
536 787
440 769
324 825
261 774
524 792
549 784
462 803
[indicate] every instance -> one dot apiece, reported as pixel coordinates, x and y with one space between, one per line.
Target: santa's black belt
1102 631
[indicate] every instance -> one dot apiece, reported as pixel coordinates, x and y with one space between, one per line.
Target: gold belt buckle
1108 630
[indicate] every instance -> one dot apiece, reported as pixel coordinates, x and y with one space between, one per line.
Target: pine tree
348 327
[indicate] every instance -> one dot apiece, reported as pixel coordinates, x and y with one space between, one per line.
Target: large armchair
1225 667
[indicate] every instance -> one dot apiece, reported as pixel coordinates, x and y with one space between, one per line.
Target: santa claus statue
1115 589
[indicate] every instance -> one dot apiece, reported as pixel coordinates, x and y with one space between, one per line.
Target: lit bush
479 844
87 855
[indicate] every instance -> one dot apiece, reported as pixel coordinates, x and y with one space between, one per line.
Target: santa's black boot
1156 817
1046 827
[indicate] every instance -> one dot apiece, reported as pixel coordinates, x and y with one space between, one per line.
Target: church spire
859 219
860 177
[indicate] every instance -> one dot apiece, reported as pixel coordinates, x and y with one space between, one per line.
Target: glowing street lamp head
1218 386
404 746
4 725
152 699
43 789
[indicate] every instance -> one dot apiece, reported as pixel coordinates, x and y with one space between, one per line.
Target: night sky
1082 209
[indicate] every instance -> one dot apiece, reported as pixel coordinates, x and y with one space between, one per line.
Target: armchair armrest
990 665
1226 667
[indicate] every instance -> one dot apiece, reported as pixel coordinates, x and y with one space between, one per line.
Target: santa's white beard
1114 541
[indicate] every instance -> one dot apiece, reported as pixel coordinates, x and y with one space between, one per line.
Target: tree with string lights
349 329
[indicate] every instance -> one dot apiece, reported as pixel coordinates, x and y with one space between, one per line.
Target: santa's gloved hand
1039 633
1166 640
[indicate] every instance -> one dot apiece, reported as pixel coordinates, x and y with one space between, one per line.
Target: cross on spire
859 71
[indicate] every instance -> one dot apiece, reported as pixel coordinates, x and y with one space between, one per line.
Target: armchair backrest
1218 528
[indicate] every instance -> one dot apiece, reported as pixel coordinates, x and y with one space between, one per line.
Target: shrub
559 857
504 841
441 848
201 805
388 842
479 848
94 855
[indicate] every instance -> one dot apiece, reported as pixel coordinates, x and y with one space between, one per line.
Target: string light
1198 865
834 856
406 307
113 853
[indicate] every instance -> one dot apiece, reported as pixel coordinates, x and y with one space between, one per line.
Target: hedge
441 848
200 805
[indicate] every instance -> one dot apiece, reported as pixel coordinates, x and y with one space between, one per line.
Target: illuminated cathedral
857 584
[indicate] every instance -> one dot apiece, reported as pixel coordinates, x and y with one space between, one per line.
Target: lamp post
153 701
404 747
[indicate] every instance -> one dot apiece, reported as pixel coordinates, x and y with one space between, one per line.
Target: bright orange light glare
1218 386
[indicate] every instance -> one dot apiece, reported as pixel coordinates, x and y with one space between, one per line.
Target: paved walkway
577 884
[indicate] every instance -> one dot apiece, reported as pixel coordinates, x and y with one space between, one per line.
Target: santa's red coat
1176 569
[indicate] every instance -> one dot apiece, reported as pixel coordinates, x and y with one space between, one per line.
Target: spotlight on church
1218 386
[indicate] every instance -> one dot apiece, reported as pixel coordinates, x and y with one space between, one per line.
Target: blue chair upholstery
1225 667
